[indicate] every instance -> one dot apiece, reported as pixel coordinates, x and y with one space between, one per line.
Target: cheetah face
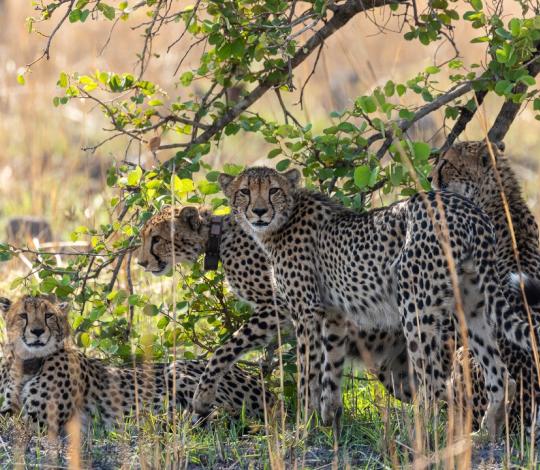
465 167
184 226
36 326
260 198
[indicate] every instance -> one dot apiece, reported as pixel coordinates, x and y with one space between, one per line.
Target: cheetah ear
63 307
5 304
451 152
293 177
500 146
191 216
224 181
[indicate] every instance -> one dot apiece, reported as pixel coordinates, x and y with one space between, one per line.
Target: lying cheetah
249 274
51 382
386 268
467 169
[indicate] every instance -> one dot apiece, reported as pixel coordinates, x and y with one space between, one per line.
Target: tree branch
509 109
342 15
506 115
422 112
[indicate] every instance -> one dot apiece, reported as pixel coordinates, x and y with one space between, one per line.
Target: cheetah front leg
335 346
258 331
308 327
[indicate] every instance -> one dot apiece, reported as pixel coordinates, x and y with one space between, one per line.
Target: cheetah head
465 167
260 197
37 326
155 254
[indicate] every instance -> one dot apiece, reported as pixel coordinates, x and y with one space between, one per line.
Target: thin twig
46 52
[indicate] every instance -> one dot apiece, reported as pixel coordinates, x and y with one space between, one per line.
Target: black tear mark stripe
152 243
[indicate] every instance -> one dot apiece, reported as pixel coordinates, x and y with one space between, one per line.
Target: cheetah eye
155 239
48 315
24 316
273 191
245 191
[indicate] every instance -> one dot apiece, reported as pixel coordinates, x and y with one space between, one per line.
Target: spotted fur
248 273
69 384
386 268
468 169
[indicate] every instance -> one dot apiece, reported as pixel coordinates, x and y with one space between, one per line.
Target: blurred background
45 173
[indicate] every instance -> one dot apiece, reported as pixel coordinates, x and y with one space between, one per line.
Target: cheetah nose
142 263
260 211
37 332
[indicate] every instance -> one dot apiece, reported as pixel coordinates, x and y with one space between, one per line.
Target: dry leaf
154 143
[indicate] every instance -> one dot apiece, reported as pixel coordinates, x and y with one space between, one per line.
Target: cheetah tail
531 287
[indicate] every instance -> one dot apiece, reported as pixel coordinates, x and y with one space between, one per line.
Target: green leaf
283 165
206 187
432 69
163 322
367 104
503 87
528 80
20 79
74 15
373 176
362 175
134 177
238 47
396 175
48 284
186 78
63 80
273 153
150 310
477 4
108 11
347 127
183 185
224 51
84 339
421 150
515 26
401 89
389 88
212 176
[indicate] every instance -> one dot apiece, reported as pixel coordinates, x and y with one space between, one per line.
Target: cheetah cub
386 268
47 379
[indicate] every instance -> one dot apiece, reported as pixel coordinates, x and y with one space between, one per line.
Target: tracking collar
211 257
32 366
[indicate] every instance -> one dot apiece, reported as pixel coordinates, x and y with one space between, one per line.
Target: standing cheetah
388 268
467 169
66 383
248 272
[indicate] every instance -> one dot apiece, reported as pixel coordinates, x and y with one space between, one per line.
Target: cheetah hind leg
482 295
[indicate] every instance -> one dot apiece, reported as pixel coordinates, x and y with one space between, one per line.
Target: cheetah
467 168
248 273
388 268
51 382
